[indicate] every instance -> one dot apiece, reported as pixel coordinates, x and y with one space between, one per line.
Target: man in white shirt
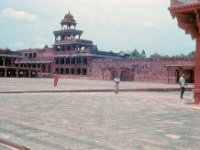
182 85
117 80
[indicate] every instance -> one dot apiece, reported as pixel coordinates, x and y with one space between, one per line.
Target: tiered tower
71 53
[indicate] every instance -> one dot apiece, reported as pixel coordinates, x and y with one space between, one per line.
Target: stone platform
97 121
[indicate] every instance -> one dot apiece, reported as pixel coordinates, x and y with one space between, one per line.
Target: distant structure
187 13
8 68
73 57
70 55
41 59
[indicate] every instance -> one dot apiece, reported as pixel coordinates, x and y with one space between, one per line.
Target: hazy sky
112 25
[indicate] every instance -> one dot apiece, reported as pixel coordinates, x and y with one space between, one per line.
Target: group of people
182 82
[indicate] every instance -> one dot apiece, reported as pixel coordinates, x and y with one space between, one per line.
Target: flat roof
13 67
179 65
86 55
36 62
11 55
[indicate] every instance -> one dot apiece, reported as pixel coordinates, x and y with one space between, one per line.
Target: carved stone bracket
197 13
188 23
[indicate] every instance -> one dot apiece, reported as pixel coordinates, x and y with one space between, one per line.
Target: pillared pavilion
187 13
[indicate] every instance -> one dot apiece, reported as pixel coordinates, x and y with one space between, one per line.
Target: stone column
70 60
46 68
81 73
52 67
5 72
4 61
197 72
88 72
12 61
197 61
18 61
29 73
16 72
167 75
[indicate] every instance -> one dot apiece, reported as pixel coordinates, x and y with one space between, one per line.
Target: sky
112 25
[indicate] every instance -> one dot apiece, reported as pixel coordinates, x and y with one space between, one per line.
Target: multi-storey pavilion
74 57
72 54
187 13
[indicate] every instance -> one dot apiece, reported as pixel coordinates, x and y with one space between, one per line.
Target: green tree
134 54
155 55
191 54
143 54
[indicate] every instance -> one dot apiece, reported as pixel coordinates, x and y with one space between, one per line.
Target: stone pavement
41 84
100 121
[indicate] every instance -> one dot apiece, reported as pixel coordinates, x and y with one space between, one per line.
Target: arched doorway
177 75
127 76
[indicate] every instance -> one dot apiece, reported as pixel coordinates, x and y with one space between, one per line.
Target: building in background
10 65
73 57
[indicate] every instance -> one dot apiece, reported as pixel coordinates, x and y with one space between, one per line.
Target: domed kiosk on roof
68 20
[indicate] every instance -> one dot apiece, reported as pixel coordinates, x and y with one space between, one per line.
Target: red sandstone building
187 13
10 65
40 59
70 55
73 57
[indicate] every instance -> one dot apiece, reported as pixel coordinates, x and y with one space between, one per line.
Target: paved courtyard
35 84
97 121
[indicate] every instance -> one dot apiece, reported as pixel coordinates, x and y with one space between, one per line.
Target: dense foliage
136 54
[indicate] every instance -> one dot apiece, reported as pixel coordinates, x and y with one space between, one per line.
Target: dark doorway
177 76
191 78
1 72
127 76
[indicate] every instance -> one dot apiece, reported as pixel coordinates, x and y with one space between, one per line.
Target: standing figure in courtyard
117 80
183 84
55 80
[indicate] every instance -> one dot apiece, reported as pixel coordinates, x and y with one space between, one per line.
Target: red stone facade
187 13
150 70
10 66
42 59
73 57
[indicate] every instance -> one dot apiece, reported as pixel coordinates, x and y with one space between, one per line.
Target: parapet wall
149 70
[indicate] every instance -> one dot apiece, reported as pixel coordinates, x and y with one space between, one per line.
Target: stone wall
150 70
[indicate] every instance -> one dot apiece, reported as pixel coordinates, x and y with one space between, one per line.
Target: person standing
117 80
183 84
55 80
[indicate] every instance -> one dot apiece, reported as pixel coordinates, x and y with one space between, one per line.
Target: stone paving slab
101 121
94 120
